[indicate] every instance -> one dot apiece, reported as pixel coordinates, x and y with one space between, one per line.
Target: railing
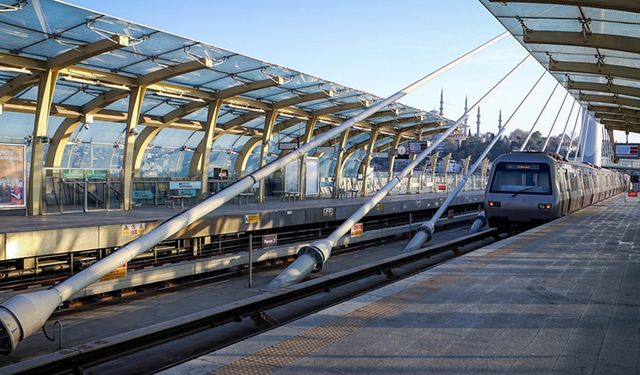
419 183
68 190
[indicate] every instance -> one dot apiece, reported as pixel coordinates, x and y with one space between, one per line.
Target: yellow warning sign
133 229
118 273
252 219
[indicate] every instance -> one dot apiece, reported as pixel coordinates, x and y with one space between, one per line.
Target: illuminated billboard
12 176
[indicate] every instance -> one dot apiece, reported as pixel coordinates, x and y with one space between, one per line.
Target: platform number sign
269 240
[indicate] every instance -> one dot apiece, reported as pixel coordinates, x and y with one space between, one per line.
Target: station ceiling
100 59
591 46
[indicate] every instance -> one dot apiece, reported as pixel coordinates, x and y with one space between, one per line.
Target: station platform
562 298
32 236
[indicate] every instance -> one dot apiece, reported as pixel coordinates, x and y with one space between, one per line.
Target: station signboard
12 176
73 174
97 174
185 185
287 145
627 150
269 240
417 147
142 194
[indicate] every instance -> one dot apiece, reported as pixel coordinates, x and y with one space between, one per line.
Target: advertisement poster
12 176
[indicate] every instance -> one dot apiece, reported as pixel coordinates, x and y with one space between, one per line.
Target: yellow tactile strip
291 350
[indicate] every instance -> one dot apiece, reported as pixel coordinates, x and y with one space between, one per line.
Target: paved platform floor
563 298
20 223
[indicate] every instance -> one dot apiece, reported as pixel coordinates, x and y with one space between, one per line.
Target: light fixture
79 80
114 86
246 108
94 83
15 70
176 96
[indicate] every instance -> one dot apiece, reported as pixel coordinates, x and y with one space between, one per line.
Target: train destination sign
627 150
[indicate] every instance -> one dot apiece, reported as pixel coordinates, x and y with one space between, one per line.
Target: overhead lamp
176 96
15 70
79 80
94 83
246 108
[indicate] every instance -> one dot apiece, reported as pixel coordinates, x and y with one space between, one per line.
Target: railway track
109 355
199 279
52 269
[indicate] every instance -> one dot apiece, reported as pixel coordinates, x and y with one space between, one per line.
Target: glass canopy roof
35 33
591 46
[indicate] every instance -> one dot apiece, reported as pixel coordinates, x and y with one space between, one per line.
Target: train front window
521 178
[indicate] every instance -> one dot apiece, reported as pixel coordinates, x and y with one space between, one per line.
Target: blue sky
377 46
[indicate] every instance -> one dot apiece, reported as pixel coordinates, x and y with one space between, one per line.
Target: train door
567 189
591 187
579 190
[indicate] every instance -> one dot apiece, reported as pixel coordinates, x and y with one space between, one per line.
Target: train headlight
544 206
493 204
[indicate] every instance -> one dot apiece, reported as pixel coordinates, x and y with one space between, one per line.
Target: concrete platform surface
563 298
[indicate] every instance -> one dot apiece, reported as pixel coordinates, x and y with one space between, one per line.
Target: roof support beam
269 122
593 40
243 156
304 98
135 106
624 5
71 57
626 126
616 117
603 87
341 108
597 69
77 55
337 168
45 97
69 125
248 87
16 85
618 109
373 138
392 156
400 121
385 113
173 71
212 119
90 109
240 120
189 108
610 99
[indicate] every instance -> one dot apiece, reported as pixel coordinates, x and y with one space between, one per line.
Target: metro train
529 188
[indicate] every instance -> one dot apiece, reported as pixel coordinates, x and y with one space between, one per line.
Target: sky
378 46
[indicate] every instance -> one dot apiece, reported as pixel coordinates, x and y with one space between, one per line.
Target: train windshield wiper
523 190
